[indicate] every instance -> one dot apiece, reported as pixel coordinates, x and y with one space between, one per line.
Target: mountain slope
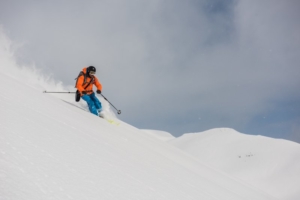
270 164
161 135
50 149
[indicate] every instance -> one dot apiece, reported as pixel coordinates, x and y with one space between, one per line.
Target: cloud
170 63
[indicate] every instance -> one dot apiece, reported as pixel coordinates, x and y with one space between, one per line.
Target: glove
84 92
98 91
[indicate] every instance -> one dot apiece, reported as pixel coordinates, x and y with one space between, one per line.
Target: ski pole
58 92
119 111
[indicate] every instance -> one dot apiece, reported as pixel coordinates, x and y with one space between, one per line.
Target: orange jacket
80 85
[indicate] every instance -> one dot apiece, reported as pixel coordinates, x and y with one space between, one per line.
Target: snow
273 165
52 148
161 135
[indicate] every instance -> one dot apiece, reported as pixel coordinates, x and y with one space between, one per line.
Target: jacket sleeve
79 84
98 84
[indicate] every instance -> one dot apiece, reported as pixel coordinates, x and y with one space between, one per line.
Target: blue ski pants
93 103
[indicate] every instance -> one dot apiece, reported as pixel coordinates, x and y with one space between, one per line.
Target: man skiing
85 81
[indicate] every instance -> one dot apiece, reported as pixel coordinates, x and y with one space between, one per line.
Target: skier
85 81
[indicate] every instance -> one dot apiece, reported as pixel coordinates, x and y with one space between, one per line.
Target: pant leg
90 103
96 101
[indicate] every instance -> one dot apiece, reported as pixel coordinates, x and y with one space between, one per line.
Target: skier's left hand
98 91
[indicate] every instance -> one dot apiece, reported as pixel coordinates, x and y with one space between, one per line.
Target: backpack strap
92 80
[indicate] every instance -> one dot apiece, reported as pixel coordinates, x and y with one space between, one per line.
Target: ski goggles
92 73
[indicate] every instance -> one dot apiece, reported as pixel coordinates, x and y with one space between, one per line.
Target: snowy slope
50 149
273 165
161 135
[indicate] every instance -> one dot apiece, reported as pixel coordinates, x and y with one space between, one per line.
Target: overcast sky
173 65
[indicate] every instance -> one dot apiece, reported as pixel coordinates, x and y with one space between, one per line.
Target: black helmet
90 69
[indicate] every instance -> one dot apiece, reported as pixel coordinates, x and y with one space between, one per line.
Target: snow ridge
272 165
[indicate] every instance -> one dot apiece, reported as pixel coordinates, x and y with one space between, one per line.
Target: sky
171 65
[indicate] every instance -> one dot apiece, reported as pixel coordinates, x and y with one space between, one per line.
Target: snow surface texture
51 149
161 135
272 165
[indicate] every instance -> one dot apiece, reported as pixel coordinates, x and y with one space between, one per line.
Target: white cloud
163 60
